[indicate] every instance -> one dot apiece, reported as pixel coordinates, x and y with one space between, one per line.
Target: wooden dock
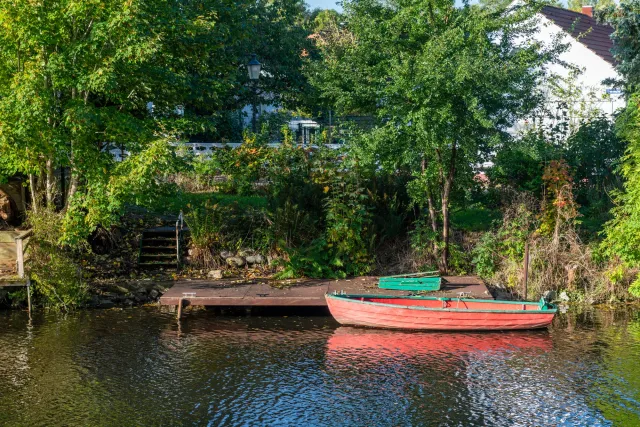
301 293
12 261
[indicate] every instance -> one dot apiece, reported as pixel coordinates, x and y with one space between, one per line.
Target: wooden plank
12 283
304 293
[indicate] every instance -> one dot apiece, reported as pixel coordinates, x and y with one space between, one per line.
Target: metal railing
179 228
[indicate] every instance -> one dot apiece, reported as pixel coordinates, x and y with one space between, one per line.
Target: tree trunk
432 209
33 186
446 194
51 184
74 180
433 216
444 255
73 186
556 228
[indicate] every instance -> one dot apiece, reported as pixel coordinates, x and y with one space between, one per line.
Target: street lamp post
253 67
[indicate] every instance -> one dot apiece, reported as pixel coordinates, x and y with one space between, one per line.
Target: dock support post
526 268
180 301
20 257
29 296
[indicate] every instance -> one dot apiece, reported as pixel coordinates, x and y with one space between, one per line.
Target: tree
443 82
597 4
78 77
497 5
520 163
622 233
626 49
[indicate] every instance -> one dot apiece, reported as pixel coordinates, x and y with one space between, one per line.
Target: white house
589 50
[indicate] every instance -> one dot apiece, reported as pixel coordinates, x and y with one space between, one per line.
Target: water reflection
378 343
139 367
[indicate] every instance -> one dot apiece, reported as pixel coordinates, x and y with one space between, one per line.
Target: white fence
203 148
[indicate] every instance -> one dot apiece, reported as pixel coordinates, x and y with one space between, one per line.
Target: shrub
205 229
348 226
53 267
485 255
225 227
313 261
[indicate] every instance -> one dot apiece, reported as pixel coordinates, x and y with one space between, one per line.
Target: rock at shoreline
154 294
245 252
106 303
215 274
255 259
235 261
226 254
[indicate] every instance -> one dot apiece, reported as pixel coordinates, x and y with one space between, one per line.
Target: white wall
594 70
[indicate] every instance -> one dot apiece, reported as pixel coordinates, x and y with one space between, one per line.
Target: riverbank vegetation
460 166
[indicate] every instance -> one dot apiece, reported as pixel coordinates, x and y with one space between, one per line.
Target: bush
205 229
485 255
214 228
53 267
557 261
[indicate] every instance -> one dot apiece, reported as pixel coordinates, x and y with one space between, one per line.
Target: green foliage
422 236
634 289
597 4
313 261
290 227
442 89
626 21
623 231
559 207
78 78
226 227
206 232
474 218
57 276
485 255
348 226
519 164
591 152
506 245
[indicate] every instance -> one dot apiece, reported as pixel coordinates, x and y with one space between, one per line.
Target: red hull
444 314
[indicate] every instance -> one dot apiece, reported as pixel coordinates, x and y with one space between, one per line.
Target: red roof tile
585 29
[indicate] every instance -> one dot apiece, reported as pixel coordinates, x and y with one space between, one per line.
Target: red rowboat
438 313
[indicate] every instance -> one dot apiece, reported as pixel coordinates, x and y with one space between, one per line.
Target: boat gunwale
348 297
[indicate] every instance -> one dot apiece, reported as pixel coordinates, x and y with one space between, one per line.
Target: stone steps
158 249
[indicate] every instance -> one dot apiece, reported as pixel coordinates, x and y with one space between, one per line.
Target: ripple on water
138 367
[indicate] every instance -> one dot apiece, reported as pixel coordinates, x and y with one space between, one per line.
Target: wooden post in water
526 268
180 301
29 296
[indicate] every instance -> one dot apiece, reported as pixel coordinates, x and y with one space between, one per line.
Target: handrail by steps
179 228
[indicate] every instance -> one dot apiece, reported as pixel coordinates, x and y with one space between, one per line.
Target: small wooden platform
301 293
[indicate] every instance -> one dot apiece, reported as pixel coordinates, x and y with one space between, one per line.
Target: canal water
140 367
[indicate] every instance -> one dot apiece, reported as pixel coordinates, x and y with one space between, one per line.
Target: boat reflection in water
481 376
380 342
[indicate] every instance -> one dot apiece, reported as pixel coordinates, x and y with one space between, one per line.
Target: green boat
426 281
